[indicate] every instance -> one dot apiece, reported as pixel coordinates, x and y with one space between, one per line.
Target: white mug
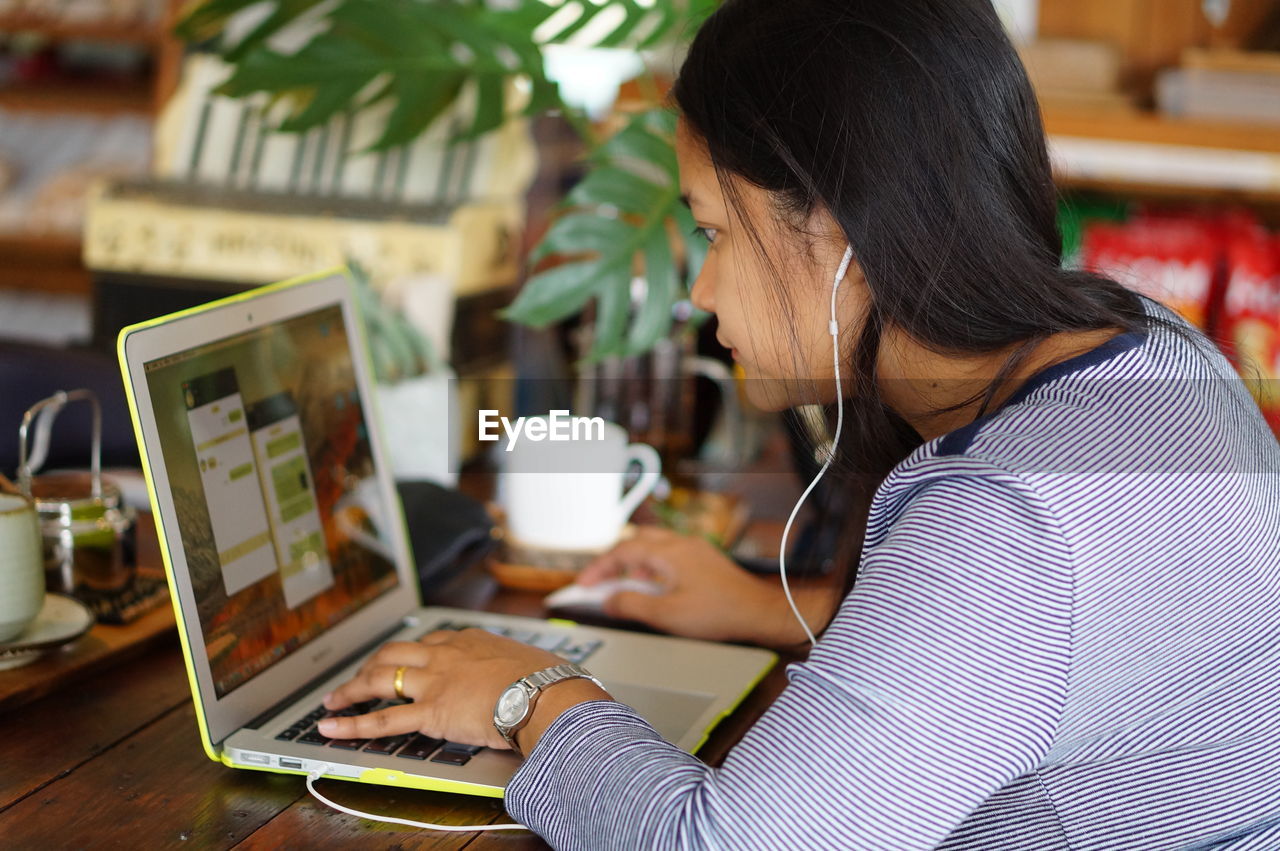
567 494
21 565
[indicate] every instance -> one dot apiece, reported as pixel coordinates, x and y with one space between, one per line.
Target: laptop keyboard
416 746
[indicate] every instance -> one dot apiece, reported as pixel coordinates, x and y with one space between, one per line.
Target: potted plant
624 221
417 393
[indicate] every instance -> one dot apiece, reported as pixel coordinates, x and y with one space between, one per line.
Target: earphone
319 771
833 328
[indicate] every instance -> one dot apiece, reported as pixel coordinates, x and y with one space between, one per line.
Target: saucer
522 567
62 619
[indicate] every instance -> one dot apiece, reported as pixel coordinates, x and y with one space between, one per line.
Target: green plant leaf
284 14
654 319
581 233
587 12
491 106
321 63
613 307
322 106
668 17
653 213
634 15
665 14
420 55
617 188
637 142
419 101
207 20
425 51
555 294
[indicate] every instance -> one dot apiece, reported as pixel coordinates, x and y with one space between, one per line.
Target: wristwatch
515 705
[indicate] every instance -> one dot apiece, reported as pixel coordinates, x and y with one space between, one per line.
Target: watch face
513 705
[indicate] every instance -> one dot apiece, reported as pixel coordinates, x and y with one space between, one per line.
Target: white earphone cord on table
833 328
316 774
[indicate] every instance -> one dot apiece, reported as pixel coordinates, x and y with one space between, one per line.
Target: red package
1251 316
1176 260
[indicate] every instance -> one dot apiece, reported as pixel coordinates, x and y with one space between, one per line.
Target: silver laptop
288 558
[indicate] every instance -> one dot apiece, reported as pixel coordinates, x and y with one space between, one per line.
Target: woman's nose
703 293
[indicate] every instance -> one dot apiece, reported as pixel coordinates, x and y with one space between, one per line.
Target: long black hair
913 124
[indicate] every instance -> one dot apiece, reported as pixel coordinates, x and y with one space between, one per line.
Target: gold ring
399 683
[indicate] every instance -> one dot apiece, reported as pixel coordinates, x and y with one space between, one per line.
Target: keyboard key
574 651
313 737
387 745
288 735
348 744
420 748
549 641
578 653
454 753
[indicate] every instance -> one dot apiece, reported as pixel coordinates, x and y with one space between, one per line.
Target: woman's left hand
454 679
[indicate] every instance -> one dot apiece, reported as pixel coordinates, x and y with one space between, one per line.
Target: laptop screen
265 442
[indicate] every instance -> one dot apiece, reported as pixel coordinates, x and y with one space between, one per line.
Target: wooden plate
525 568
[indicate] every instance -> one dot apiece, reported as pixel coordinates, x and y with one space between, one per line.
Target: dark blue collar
957 442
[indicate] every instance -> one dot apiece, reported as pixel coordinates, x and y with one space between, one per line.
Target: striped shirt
1065 633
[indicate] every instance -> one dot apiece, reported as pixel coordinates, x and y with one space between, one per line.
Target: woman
1062 632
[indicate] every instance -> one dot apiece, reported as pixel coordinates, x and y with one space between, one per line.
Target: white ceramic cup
567 495
21 566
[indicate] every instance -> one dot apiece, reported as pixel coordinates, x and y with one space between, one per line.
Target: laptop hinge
280 706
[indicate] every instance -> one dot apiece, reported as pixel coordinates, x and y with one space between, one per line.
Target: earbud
833 328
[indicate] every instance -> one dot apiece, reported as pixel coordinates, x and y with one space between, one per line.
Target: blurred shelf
1121 150
69 96
1152 128
134 32
54 264
43 262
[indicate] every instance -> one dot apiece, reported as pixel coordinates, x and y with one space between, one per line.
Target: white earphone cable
317 773
833 328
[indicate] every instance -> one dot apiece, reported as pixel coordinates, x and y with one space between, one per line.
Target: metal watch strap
556 673
534 684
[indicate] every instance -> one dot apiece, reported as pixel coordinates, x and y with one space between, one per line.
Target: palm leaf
421 55
651 210
665 14
581 233
420 47
661 292
208 20
560 292
426 52
613 308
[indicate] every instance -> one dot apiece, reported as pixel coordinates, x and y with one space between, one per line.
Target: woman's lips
728 346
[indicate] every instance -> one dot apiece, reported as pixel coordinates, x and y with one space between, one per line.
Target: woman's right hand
706 595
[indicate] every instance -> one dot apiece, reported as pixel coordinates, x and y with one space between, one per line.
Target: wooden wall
1150 33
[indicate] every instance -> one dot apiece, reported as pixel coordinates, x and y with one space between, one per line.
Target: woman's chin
776 394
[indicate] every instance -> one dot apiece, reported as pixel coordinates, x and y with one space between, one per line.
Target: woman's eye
709 234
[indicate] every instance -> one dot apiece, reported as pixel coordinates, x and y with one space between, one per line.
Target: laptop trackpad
672 713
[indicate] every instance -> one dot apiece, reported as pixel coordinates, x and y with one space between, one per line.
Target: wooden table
112 759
